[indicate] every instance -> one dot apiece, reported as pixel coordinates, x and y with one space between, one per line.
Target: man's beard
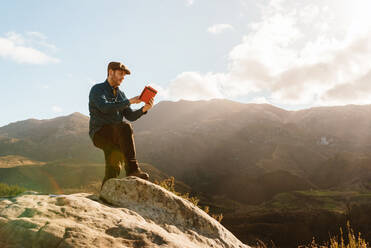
117 83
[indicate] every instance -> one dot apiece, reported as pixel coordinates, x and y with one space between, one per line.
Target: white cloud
16 47
56 109
356 92
219 28
40 39
15 38
312 53
192 86
189 2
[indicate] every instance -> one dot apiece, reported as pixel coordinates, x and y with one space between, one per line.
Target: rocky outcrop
133 213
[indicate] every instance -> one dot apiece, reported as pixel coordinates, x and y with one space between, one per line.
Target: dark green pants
117 142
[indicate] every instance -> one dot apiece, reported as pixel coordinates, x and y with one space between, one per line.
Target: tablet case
147 93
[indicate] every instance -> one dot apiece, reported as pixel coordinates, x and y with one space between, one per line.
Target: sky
288 53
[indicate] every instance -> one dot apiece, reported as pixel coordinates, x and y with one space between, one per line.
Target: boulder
130 212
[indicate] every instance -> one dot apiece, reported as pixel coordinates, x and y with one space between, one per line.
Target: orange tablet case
147 93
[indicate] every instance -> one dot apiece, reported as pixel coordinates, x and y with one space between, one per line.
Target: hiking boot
138 173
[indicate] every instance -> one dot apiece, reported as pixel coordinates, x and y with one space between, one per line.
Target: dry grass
353 240
350 240
169 185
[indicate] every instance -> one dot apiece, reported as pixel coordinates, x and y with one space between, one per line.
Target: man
107 106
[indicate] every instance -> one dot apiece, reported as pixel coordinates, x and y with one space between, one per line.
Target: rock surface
139 214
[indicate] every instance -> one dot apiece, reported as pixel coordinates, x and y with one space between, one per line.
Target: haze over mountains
220 146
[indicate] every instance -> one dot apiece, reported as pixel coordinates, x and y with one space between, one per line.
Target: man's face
117 77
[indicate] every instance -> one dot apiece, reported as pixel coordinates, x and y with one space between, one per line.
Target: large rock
140 214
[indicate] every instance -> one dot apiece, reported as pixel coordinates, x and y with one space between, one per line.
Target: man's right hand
135 100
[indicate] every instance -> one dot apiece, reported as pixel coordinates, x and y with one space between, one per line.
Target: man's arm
133 115
98 98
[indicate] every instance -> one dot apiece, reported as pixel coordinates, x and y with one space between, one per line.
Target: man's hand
135 100
148 105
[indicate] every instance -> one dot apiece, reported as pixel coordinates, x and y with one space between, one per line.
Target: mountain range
218 146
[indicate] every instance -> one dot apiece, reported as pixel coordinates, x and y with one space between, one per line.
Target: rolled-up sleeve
133 115
99 99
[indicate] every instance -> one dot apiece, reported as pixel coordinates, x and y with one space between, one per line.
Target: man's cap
118 66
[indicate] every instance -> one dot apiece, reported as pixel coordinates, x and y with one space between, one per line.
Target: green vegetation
10 190
169 185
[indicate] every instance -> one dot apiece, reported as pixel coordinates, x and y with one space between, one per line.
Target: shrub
10 190
353 241
335 242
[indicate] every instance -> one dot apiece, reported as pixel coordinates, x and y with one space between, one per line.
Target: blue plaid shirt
106 108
